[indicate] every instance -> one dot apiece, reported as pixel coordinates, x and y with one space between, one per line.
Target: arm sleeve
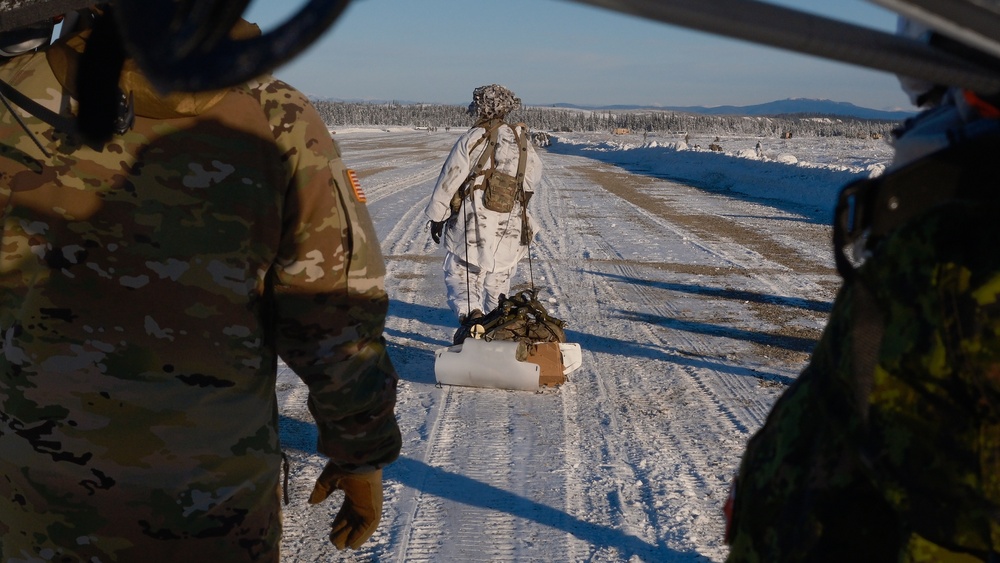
329 293
455 170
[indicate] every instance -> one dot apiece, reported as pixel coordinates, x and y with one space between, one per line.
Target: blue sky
550 51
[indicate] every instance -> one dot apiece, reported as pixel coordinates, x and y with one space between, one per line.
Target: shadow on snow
732 294
418 475
606 345
413 362
464 490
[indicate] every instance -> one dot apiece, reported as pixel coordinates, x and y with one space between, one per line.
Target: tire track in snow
706 391
740 420
423 526
386 168
551 243
428 524
480 498
619 491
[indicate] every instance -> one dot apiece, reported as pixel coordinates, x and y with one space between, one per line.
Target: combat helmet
492 102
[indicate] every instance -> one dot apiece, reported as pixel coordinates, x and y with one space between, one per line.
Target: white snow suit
484 243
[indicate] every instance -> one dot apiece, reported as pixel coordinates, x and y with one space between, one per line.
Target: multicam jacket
493 239
147 291
887 446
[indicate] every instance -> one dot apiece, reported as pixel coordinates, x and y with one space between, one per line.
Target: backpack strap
490 136
522 160
491 130
494 143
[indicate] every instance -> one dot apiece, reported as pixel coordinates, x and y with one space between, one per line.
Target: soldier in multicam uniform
483 246
147 292
887 446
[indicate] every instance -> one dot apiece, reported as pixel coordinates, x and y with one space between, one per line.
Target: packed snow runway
696 283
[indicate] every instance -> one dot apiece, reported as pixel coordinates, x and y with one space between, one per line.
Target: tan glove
362 510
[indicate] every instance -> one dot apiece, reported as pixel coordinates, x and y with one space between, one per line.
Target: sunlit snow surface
696 282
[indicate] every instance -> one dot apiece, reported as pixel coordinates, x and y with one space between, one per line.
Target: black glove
437 227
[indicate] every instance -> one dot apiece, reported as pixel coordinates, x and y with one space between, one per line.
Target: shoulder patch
352 179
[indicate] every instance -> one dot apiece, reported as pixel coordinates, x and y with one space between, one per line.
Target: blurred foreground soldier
148 288
479 204
887 446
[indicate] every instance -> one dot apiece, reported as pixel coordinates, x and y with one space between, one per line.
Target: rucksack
520 317
500 190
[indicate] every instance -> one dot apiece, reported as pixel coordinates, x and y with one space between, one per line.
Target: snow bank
369 129
803 171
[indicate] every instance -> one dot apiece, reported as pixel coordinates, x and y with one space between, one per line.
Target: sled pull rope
468 284
531 276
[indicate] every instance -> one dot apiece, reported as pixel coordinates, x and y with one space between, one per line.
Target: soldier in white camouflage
484 242
148 289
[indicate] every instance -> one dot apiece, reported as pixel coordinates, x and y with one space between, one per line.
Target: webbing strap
59 122
522 160
875 208
490 135
493 134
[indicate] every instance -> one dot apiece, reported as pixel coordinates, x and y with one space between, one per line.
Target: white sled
495 365
477 363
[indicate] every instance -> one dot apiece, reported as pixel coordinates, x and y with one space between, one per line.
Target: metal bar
810 34
975 23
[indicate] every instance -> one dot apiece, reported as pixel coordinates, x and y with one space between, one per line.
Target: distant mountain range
780 107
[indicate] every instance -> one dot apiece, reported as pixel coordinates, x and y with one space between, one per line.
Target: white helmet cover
492 101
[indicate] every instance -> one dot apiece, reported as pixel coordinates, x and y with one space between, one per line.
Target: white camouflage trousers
469 285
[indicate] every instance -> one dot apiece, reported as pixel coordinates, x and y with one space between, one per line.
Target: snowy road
694 309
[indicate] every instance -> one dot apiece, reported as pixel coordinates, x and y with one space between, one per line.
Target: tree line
341 114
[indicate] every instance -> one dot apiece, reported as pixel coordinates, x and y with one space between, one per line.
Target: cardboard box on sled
549 359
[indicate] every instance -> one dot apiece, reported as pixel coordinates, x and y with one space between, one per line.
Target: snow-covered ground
696 282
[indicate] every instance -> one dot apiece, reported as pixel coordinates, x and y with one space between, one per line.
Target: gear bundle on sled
518 345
